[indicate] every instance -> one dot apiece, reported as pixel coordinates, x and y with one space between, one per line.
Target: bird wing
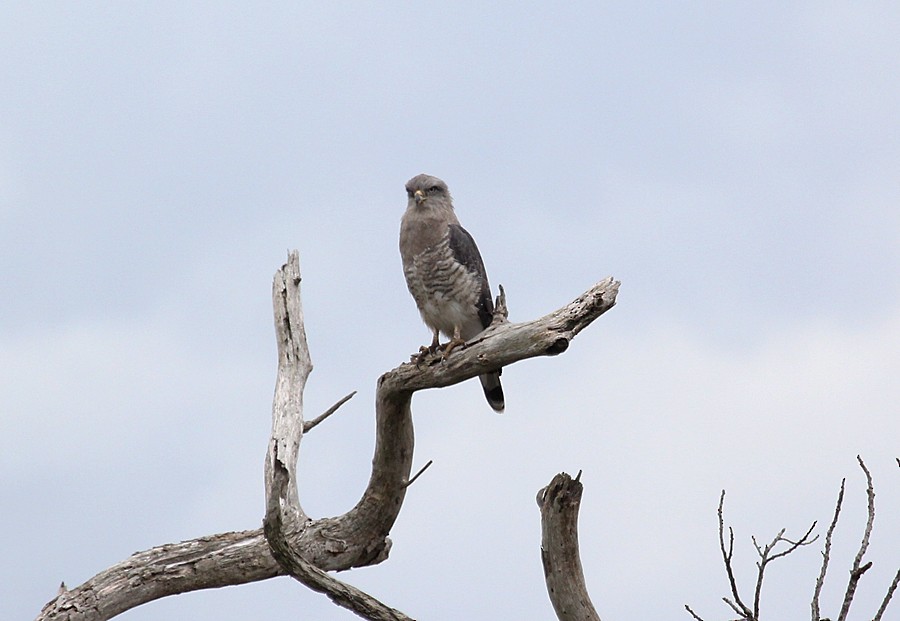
466 252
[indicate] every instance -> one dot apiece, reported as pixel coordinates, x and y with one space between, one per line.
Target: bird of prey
445 273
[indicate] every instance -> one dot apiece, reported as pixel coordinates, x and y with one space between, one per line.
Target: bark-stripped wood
356 538
559 503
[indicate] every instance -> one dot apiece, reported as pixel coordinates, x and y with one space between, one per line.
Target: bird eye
434 189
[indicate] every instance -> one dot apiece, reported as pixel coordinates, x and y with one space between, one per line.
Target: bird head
425 190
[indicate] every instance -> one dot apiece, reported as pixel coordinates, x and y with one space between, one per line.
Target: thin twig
826 554
692 613
891 589
803 541
734 607
887 597
857 571
416 475
726 557
307 425
765 559
762 553
761 569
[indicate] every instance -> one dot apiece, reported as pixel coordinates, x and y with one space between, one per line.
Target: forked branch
859 568
767 554
356 538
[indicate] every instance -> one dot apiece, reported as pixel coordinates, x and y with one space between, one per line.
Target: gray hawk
445 273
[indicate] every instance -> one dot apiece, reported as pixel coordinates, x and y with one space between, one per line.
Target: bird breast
445 291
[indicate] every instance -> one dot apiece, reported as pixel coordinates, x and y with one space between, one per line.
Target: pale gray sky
734 165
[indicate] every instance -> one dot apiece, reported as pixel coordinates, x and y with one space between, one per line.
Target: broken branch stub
559 503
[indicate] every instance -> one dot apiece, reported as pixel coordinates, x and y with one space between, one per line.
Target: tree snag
291 542
559 503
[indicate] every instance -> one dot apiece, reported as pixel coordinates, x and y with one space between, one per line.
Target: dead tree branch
826 554
286 523
308 425
737 604
887 597
892 587
692 613
766 554
291 560
204 563
858 569
356 538
559 503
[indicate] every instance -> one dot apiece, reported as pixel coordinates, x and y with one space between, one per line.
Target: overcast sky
735 165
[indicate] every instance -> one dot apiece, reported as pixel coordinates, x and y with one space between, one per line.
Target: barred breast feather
447 292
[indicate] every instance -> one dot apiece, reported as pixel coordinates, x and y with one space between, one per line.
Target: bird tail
493 391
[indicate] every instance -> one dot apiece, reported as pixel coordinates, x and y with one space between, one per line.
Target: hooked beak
419 196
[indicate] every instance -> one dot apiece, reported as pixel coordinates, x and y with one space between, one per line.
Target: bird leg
453 343
424 351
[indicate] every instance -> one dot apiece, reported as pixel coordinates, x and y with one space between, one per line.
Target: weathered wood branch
356 538
559 503
293 537
826 554
504 344
858 569
292 561
294 367
204 563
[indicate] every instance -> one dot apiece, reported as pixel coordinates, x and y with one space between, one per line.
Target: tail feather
493 391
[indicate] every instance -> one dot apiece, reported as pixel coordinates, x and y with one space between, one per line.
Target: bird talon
450 346
420 356
425 352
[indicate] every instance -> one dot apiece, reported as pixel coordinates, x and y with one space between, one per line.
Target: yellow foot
451 345
424 353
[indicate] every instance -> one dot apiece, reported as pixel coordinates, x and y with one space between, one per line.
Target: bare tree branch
294 367
766 557
419 473
734 607
342 594
857 570
503 344
692 613
307 425
727 555
285 521
204 563
887 597
356 538
826 554
559 503
894 583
